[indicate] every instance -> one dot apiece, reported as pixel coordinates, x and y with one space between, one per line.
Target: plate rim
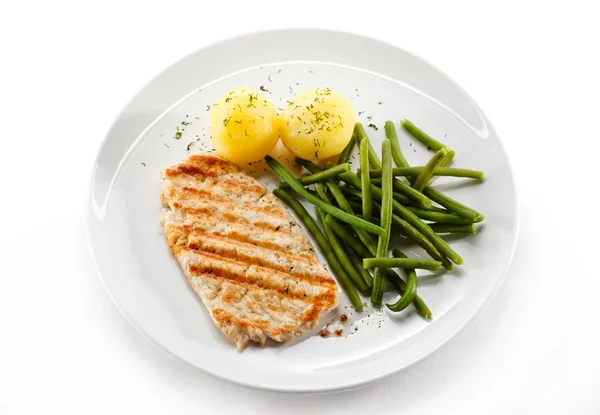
342 386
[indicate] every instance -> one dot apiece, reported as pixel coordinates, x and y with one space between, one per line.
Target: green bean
367 207
359 133
319 176
420 135
390 132
403 200
345 155
356 206
411 286
434 209
423 242
409 217
402 287
447 158
434 194
338 195
449 218
401 263
411 232
405 194
357 263
323 243
411 193
343 259
332 210
439 171
452 205
444 228
425 176
366 251
322 193
386 220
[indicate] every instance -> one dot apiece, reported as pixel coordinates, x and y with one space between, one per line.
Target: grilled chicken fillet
242 252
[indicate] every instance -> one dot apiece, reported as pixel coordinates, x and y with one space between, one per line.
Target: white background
68 68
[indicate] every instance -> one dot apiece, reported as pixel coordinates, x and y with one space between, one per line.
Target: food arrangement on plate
250 262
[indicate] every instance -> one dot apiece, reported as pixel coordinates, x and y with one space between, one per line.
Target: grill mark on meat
225 318
233 255
242 253
191 194
236 236
206 216
216 273
279 252
210 181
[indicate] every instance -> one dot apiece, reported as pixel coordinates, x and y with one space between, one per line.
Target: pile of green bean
359 211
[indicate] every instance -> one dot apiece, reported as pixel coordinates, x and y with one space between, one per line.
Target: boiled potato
317 124
244 126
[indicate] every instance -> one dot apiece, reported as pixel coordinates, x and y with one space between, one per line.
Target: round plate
169 118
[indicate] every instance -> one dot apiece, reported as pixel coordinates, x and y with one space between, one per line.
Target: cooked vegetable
243 126
345 155
407 228
410 193
438 171
359 133
425 176
366 252
323 243
320 175
343 259
444 228
367 205
338 196
386 220
401 263
420 135
332 210
452 205
357 263
411 286
450 218
409 217
390 133
317 124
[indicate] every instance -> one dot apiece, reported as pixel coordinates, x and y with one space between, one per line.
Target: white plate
383 83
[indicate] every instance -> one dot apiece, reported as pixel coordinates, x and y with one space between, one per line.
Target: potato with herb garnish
243 125
317 124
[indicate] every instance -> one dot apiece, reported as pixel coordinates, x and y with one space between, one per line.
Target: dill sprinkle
208 108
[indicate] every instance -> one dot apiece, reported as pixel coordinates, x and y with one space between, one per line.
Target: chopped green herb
270 78
279 71
380 102
143 164
189 146
373 126
208 108
178 135
166 145
262 88
185 123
